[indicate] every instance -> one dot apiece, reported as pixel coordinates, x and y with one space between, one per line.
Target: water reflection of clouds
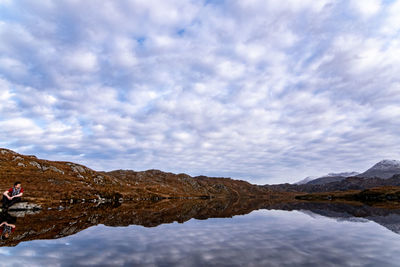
272 238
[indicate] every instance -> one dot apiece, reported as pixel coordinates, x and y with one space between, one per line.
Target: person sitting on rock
12 195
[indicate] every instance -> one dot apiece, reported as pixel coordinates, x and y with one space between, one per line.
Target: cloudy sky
267 91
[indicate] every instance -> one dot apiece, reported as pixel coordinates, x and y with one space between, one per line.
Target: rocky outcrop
25 206
37 165
22 209
17 158
4 151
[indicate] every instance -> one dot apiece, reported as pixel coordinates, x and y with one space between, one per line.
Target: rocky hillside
51 181
169 185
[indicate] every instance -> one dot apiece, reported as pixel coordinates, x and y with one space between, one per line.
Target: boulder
17 158
77 168
24 206
37 165
54 169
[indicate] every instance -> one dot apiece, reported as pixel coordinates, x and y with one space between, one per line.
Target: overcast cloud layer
267 91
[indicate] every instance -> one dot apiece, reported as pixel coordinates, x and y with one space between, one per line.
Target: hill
47 181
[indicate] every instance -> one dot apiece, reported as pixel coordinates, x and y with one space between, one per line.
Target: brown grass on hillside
47 181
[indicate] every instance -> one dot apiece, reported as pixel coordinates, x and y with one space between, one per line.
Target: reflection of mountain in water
51 224
54 223
389 218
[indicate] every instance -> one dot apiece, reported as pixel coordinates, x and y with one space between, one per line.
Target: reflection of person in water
12 195
7 227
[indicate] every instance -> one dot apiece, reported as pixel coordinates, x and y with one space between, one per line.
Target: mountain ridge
384 169
47 181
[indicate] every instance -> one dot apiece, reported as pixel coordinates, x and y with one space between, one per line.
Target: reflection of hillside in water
52 224
387 217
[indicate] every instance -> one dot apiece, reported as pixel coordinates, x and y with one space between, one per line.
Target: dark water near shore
298 235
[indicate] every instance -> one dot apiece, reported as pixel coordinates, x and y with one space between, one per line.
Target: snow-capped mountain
384 169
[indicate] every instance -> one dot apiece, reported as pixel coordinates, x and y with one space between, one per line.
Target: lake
289 234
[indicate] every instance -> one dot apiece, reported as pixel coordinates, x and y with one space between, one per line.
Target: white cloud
80 61
5 2
123 54
367 8
391 23
268 91
12 66
5 93
20 127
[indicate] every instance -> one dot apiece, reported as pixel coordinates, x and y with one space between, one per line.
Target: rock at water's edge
24 206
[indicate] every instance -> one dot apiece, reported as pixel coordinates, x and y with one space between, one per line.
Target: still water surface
260 238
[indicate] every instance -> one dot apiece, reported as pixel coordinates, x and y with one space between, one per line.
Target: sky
265 91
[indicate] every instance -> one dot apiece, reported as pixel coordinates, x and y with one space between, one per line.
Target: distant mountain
306 180
383 173
331 177
384 169
350 183
344 174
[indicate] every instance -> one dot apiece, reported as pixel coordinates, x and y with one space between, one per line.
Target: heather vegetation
49 182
